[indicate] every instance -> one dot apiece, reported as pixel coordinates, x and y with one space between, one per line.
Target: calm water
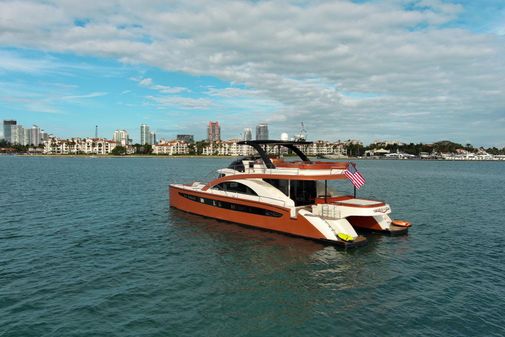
89 247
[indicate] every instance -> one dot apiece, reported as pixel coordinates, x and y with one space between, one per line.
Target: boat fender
345 237
401 223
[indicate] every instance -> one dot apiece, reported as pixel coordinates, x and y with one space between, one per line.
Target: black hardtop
261 147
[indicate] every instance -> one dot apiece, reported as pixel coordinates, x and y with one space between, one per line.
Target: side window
219 187
232 186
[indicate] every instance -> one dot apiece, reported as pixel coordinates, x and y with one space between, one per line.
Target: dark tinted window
232 206
232 186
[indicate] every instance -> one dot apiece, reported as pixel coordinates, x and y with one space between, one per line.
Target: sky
414 71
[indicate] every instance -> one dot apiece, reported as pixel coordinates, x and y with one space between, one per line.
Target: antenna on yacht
302 136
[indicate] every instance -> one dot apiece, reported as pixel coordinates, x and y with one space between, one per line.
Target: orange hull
279 219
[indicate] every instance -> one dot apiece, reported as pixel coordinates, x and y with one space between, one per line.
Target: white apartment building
120 137
227 148
79 146
322 148
171 148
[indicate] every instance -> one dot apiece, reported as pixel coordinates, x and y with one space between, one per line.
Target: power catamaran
292 197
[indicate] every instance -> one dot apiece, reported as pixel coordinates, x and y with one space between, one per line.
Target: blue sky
417 71
68 95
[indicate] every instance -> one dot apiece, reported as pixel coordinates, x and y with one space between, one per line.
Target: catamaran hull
377 224
254 214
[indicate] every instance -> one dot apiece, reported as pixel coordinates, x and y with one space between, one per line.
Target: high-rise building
247 134
7 129
120 137
152 138
262 131
17 134
213 132
144 134
25 137
34 136
186 138
44 136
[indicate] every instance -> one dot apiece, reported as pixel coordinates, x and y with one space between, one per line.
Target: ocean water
89 247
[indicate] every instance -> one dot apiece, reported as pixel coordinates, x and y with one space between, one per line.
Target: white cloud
148 83
232 92
302 56
182 102
84 96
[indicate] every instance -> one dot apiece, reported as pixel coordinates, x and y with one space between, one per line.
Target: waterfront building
120 137
247 134
324 148
186 138
376 152
152 138
227 148
16 134
26 138
79 146
145 134
172 147
262 131
34 136
385 143
214 132
8 124
43 136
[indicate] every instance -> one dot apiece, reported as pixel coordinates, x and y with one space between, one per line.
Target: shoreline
103 156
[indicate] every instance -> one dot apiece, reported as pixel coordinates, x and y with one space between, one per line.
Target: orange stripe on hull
299 226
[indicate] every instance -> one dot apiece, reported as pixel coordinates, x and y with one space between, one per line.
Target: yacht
268 192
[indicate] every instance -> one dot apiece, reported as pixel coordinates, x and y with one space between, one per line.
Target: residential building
17 134
247 134
34 136
172 147
262 131
323 148
27 137
228 148
120 137
214 132
152 138
144 134
79 146
8 124
186 138
43 136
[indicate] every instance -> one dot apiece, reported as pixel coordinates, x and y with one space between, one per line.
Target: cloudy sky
417 71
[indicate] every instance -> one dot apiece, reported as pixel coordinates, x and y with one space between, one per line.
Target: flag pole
326 191
355 191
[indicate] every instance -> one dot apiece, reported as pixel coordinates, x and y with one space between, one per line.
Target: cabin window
281 185
302 192
235 187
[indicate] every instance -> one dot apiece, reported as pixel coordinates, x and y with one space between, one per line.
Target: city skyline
418 71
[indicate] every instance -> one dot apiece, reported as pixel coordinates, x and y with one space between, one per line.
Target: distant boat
332 156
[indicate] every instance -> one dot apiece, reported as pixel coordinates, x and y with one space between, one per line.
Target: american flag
354 176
